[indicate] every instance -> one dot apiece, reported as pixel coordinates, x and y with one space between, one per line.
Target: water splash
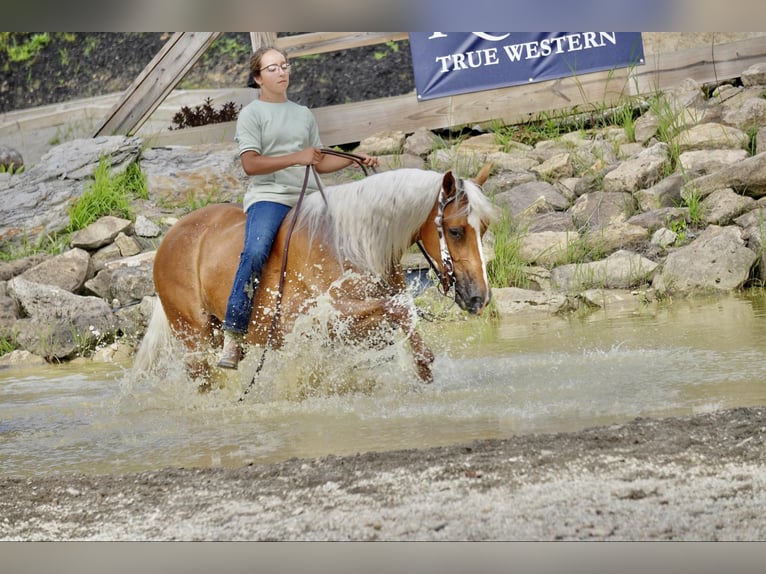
322 356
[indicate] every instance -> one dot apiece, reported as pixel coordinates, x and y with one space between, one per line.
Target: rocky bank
653 218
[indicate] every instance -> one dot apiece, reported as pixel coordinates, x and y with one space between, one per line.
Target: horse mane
371 222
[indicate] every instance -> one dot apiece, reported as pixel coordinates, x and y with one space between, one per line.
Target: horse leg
367 314
195 331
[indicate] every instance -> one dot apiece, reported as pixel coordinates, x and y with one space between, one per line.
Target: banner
449 63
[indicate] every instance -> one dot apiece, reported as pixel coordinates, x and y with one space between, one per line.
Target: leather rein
359 160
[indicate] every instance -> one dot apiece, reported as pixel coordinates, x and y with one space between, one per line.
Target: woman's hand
369 160
309 156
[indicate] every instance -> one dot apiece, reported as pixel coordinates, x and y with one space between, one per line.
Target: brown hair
255 62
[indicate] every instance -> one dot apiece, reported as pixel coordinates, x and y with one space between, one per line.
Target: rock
9 269
645 127
60 324
749 115
640 172
513 162
144 227
717 261
551 221
79 159
100 232
546 247
10 159
723 205
512 300
399 161
37 201
67 271
422 142
701 162
664 237
747 176
556 167
127 245
621 270
383 143
532 197
665 193
130 284
657 218
9 312
100 285
103 256
616 235
190 175
685 97
712 136
480 145
755 75
21 358
598 209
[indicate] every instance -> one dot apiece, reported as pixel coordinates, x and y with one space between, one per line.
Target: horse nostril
476 303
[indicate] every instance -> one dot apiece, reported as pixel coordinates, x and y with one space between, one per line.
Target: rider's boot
232 350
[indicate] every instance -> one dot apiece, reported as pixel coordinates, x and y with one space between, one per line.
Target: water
492 379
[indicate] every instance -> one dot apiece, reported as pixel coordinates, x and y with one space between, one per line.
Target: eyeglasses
274 67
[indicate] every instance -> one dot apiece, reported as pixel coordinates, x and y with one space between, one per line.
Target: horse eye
455 232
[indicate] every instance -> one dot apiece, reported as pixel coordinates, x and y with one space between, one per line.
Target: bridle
447 274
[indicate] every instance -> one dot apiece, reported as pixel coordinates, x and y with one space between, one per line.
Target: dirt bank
689 478
71 65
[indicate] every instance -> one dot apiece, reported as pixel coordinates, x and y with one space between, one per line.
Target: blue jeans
261 227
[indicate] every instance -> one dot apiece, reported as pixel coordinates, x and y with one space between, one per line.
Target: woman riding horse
276 139
347 244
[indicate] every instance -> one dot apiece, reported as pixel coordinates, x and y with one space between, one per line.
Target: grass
24 50
693 202
506 268
670 125
49 243
552 125
11 168
107 195
7 345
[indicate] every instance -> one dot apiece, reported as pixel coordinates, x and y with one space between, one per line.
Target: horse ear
448 184
483 174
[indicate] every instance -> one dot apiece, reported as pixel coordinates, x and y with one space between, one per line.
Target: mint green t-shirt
273 129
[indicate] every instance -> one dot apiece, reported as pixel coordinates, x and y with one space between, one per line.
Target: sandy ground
690 478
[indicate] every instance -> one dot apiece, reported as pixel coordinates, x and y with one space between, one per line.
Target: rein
282 272
446 275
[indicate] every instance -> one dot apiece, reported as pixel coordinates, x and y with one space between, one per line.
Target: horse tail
157 341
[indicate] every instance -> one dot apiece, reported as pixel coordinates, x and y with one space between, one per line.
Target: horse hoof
425 374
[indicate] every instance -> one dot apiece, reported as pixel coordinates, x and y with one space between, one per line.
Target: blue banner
449 63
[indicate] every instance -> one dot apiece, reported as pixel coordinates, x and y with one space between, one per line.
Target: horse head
451 238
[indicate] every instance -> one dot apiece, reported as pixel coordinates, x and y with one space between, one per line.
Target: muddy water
492 379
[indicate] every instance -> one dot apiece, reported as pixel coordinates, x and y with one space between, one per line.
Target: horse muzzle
472 299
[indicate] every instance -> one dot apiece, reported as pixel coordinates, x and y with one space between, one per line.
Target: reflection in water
492 379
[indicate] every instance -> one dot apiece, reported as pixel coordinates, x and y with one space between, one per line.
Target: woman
277 138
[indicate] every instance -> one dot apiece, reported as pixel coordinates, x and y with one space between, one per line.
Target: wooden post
155 82
258 39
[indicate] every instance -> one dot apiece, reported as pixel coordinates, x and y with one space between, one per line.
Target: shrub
205 114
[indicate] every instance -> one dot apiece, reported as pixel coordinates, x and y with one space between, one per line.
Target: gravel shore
700 477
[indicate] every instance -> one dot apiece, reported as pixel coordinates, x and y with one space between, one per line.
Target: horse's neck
375 220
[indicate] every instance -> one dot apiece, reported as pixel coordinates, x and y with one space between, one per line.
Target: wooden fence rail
346 123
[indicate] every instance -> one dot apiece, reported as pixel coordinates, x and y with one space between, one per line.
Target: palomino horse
347 242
